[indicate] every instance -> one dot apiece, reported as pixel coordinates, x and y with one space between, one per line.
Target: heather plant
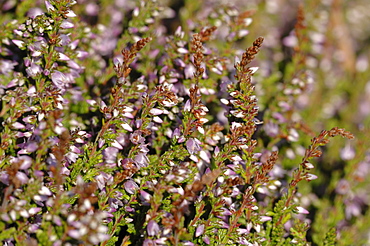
178 123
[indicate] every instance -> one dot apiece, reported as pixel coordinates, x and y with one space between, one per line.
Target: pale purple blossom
302 210
33 70
6 67
136 137
347 153
153 228
343 187
200 230
66 24
61 80
192 145
110 154
145 196
131 186
141 160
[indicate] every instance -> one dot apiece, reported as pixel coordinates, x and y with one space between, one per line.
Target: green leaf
8 233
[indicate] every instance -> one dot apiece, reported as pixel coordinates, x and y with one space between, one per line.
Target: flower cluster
141 123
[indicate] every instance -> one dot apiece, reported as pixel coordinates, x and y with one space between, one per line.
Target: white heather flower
179 32
24 213
70 14
293 135
117 145
182 51
203 121
18 43
66 24
74 234
224 101
200 130
157 120
253 69
205 156
145 196
308 165
62 57
302 210
44 191
127 127
310 177
156 111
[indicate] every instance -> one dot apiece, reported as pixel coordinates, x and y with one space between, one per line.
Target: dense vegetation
184 122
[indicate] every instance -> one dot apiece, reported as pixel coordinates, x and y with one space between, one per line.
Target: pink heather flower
271 129
22 177
354 207
157 119
64 39
33 12
33 70
71 157
60 80
189 71
63 57
153 228
74 65
243 241
149 242
117 145
92 9
103 179
187 106
206 240
192 145
145 196
74 234
200 230
216 151
110 154
6 67
25 161
4 177
293 135
130 186
206 156
141 160
136 137
34 210
49 7
127 163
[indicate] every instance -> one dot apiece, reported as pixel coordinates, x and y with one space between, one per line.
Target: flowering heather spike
197 48
205 35
250 53
99 147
